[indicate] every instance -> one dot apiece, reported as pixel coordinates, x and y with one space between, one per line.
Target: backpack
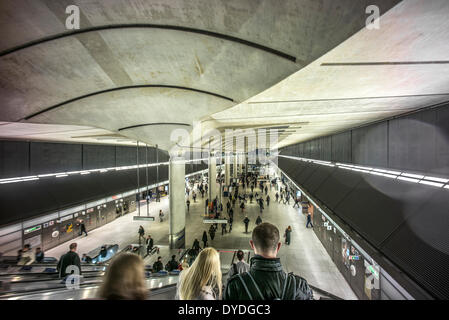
287 278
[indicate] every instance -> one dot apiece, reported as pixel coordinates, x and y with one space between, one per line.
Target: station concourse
124 119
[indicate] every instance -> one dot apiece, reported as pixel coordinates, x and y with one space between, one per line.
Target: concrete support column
240 164
212 177
234 167
177 221
227 171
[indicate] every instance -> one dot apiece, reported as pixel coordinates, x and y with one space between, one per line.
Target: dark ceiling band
152 26
155 124
124 88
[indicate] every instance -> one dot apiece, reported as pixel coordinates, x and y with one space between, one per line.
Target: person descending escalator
124 279
71 258
172 264
157 266
242 206
103 252
240 266
230 220
266 279
39 255
27 257
258 220
277 197
188 205
268 201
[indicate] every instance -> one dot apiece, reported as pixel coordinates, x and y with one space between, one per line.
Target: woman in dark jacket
205 239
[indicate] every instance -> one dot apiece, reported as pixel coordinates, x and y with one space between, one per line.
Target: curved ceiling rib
124 88
151 26
155 124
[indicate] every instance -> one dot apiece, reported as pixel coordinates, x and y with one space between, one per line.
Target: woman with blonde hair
124 279
202 280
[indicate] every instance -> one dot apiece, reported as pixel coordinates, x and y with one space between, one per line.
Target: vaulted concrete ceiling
143 68
375 74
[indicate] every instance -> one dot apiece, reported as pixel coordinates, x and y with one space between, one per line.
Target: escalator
162 286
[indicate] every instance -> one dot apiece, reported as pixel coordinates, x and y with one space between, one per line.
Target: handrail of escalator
233 258
18 274
325 293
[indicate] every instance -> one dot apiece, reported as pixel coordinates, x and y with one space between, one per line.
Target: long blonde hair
125 279
204 271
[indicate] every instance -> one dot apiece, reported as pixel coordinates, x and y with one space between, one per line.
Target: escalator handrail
39 273
325 293
89 285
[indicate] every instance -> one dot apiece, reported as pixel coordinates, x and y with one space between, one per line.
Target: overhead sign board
215 221
143 218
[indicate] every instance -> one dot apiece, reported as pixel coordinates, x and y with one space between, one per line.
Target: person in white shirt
240 267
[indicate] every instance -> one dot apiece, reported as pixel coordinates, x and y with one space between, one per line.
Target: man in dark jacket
157 266
172 264
83 228
246 222
71 258
149 244
266 279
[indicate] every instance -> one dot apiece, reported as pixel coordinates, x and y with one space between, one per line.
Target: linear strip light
410 177
417 176
437 179
430 183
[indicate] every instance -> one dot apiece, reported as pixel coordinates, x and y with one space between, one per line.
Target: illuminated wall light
389 176
103 170
394 172
61 175
408 179
30 179
73 172
435 184
437 179
86 172
446 186
417 176
11 181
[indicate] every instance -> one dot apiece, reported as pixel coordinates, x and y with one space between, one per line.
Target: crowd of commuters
200 275
262 279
